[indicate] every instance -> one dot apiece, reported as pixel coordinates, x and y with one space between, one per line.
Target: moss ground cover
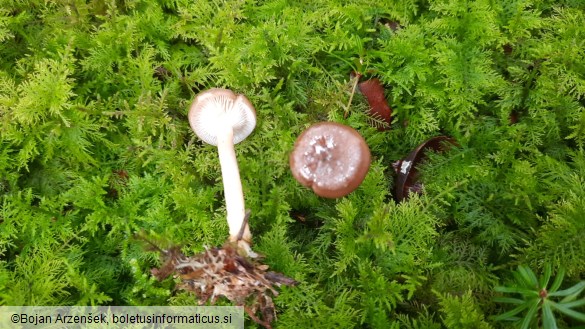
96 146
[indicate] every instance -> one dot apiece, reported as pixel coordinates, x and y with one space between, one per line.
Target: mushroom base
223 272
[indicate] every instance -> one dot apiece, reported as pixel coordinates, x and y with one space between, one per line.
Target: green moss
95 146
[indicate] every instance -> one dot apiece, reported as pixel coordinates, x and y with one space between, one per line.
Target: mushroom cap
331 158
407 175
215 107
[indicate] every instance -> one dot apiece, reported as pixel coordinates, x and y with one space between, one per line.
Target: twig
257 319
357 79
244 223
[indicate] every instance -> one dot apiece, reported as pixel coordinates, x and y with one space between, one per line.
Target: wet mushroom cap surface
331 158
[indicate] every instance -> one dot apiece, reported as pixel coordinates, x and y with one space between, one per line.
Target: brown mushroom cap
407 178
331 158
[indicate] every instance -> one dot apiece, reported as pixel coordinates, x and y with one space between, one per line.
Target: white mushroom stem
232 185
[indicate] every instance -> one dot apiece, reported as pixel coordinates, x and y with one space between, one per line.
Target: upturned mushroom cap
221 118
331 158
215 107
407 175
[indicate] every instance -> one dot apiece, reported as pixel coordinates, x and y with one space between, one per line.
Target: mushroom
221 118
331 158
407 175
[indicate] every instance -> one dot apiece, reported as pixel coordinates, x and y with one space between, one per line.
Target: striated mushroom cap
215 107
331 158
